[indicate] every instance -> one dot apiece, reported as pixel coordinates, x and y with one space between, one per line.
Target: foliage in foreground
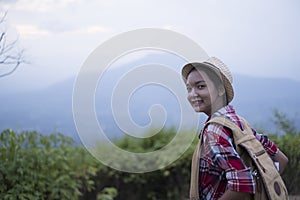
35 166
287 138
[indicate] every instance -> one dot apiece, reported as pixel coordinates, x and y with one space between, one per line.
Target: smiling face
203 94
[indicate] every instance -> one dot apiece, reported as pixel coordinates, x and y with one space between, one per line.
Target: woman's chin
197 109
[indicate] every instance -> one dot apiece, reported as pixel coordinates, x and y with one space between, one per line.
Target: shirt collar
228 109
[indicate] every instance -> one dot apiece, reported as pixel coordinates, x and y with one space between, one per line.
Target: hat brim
227 85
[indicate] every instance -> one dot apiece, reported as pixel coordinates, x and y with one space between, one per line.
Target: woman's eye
201 86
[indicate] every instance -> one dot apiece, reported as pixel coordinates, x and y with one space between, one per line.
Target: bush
287 139
35 166
289 144
171 182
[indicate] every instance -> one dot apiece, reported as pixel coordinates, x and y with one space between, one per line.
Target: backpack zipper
255 155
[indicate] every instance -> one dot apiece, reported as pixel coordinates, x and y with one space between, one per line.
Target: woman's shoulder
216 132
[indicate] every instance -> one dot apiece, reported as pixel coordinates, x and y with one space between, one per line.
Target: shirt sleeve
219 145
268 145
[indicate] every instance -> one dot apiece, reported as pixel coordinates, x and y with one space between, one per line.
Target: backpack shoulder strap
245 140
194 184
239 136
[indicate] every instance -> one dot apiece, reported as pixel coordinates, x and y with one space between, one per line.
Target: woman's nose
193 92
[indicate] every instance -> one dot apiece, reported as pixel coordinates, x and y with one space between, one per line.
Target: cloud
47 6
254 37
64 16
97 29
31 31
38 6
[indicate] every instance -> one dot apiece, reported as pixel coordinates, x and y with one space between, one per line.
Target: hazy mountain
257 98
50 110
46 111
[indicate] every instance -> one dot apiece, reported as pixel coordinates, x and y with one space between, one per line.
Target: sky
253 37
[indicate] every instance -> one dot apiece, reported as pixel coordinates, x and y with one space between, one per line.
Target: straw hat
218 67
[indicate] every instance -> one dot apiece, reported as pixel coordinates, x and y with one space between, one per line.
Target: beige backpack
269 184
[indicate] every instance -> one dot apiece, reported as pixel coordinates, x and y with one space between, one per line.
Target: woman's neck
216 106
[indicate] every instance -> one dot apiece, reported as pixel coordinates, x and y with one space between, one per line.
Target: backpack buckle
255 173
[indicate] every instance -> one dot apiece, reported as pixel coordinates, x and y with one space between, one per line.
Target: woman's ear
221 90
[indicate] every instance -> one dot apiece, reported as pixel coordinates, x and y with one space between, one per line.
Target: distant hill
46 111
257 98
50 110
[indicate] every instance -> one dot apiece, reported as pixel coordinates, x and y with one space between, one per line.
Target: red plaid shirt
220 165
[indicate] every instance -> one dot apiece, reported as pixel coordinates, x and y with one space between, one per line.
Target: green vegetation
288 140
36 166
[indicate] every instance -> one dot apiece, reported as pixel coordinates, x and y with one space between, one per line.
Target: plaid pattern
220 165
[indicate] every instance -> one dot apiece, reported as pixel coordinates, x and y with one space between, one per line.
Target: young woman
222 173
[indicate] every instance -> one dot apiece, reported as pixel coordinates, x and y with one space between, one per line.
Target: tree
10 56
284 123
